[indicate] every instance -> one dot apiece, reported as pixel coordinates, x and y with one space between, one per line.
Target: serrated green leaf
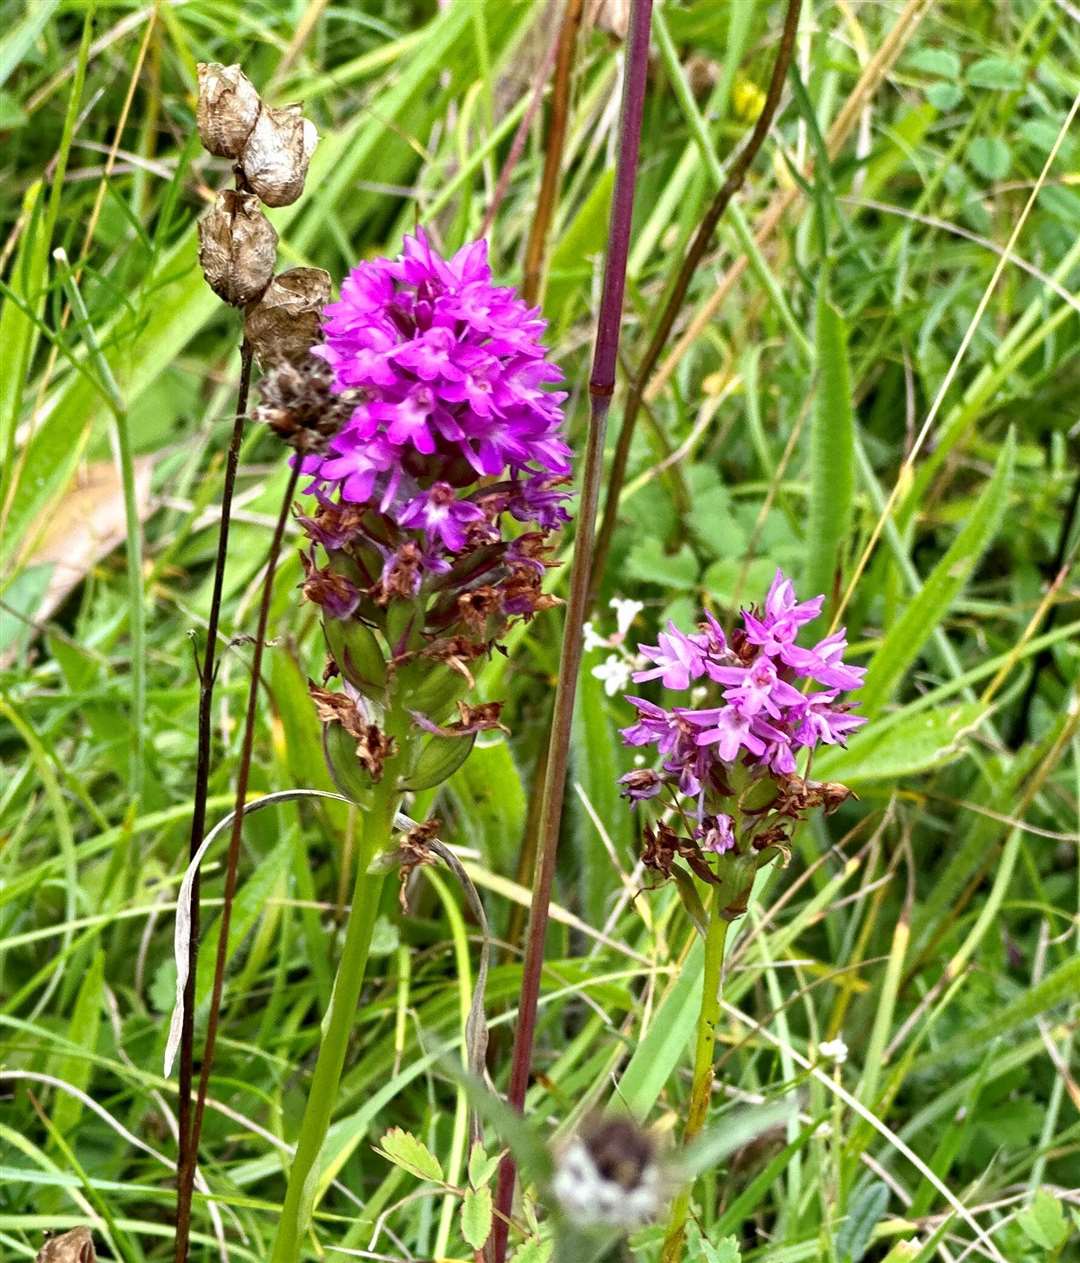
832 457
990 156
910 632
726 1251
1044 1221
866 1210
476 1213
534 1252
648 561
906 746
405 1150
995 72
482 1165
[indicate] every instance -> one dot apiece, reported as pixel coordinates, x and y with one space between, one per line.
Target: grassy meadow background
890 342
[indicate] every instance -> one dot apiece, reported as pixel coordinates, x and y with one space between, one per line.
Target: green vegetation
875 390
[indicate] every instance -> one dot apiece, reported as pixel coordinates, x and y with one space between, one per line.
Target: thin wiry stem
549 180
700 244
186 1175
207 677
601 387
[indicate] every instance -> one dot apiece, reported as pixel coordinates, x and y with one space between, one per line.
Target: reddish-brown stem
556 139
734 182
207 674
186 1175
601 387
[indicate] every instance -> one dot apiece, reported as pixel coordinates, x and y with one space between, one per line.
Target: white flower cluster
615 670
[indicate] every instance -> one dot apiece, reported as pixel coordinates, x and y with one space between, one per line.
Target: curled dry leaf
76 1246
228 108
276 155
284 324
237 248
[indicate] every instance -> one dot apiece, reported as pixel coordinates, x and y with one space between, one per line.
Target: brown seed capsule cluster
237 243
271 147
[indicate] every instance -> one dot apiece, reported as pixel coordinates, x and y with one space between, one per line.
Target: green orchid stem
704 1054
322 1095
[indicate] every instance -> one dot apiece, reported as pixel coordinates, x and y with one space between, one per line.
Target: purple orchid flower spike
733 763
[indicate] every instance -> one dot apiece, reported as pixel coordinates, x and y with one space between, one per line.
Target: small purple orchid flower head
731 764
430 426
452 376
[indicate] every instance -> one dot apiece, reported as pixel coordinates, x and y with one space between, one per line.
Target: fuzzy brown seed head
276 154
237 248
285 323
227 110
296 402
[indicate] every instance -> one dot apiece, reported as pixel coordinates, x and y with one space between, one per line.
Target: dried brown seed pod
284 323
237 248
228 108
76 1246
276 155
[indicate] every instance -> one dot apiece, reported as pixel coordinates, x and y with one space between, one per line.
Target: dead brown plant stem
187 1175
556 140
700 244
207 676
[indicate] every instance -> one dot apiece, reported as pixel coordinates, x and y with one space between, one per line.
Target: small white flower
625 613
615 673
835 1050
698 693
592 640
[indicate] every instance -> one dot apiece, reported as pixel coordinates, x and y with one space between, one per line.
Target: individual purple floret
758 717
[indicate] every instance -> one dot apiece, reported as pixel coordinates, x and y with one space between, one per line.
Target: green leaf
904 745
648 562
482 1166
726 1251
990 156
476 1213
832 457
21 35
928 609
83 1030
866 1210
346 771
935 61
1044 1221
995 72
656 1056
598 759
439 758
358 654
944 96
534 1252
403 1149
